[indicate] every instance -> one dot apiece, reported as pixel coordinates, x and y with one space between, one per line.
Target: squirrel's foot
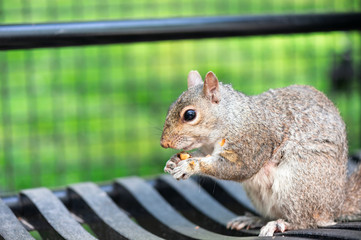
247 221
185 169
270 228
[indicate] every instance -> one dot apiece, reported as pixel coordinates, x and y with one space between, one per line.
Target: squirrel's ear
194 78
211 87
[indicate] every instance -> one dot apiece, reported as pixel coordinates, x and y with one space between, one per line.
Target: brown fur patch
230 155
316 215
205 168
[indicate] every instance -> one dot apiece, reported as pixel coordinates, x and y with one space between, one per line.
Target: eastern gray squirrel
287 146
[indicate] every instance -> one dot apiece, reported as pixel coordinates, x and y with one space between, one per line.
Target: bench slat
103 215
10 227
198 205
174 225
346 225
325 233
50 216
237 191
231 194
200 199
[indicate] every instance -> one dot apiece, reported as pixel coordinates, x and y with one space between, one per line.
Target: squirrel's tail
352 205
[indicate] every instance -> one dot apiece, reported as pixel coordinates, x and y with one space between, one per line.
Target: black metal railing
106 32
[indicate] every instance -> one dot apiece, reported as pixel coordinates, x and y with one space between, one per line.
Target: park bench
135 208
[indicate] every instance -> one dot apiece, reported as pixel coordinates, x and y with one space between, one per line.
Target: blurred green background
96 113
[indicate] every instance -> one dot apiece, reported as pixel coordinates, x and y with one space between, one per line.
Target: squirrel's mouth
194 143
190 147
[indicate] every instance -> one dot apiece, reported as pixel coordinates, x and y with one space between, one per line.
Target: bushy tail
352 206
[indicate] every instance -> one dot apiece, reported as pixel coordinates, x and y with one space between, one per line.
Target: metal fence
95 113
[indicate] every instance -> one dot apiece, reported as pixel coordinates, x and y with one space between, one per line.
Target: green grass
96 113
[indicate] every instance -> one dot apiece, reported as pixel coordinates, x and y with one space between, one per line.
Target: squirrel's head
192 120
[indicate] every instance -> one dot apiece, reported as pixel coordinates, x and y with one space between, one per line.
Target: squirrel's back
306 115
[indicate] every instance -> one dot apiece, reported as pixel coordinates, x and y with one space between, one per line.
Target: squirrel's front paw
185 169
171 164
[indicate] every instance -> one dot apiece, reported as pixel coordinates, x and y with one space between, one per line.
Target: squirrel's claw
184 169
169 167
171 164
270 228
247 221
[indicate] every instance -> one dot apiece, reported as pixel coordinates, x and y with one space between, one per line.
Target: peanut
184 155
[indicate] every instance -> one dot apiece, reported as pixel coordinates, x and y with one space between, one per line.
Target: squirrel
287 146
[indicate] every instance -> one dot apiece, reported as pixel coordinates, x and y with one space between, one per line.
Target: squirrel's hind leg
247 221
281 225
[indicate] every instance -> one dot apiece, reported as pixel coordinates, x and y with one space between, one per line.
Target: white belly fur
266 187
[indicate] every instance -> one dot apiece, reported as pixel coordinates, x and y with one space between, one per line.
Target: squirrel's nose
164 143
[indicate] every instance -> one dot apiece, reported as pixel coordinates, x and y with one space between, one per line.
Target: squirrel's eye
189 115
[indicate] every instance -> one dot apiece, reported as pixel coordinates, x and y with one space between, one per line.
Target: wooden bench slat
175 226
10 227
51 217
103 215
